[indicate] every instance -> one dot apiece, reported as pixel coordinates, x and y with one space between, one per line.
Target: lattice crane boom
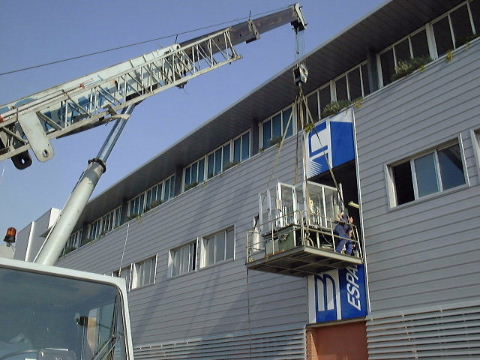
31 122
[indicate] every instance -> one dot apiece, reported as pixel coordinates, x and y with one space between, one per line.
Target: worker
344 232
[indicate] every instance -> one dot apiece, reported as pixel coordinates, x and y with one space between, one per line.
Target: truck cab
52 313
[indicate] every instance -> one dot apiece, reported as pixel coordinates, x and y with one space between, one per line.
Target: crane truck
52 313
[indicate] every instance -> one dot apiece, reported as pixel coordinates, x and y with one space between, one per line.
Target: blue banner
340 294
330 144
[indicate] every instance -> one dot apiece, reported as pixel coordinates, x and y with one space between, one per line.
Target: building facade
180 229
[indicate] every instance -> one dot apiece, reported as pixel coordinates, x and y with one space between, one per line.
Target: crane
73 305
94 99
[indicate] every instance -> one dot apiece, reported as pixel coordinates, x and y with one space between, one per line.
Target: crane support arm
97 98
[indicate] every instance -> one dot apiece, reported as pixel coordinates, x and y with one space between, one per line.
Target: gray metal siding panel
278 343
449 332
211 300
424 252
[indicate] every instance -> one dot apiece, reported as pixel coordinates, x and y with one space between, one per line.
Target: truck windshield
44 316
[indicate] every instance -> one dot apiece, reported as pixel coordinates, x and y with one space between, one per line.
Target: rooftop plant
405 67
335 107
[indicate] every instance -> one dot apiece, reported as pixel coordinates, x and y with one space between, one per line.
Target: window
219 160
241 148
443 36
154 196
218 247
350 85
94 230
215 161
151 198
144 273
414 45
341 88
475 11
111 220
124 273
183 260
169 187
312 102
273 129
456 28
136 206
448 32
73 242
325 97
438 170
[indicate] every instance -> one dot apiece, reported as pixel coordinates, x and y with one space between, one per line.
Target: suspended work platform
297 232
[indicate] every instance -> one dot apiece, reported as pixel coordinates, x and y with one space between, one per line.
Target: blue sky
35 32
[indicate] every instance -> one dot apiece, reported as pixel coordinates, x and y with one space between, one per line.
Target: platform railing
297 229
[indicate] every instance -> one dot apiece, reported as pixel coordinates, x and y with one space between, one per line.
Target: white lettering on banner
353 292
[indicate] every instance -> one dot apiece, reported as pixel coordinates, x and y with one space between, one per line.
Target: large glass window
222 158
144 272
402 50
425 175
154 196
211 165
412 46
436 171
443 36
136 206
456 28
241 148
105 224
354 84
183 259
274 128
420 44
325 97
312 101
450 31
151 198
73 242
169 186
341 88
365 81
94 230
218 247
475 11
461 25
387 63
349 86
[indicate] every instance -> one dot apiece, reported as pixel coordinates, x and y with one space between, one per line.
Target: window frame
392 191
432 54
99 223
135 270
168 181
333 88
174 251
475 139
209 237
282 130
452 33
431 39
357 67
74 242
223 163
